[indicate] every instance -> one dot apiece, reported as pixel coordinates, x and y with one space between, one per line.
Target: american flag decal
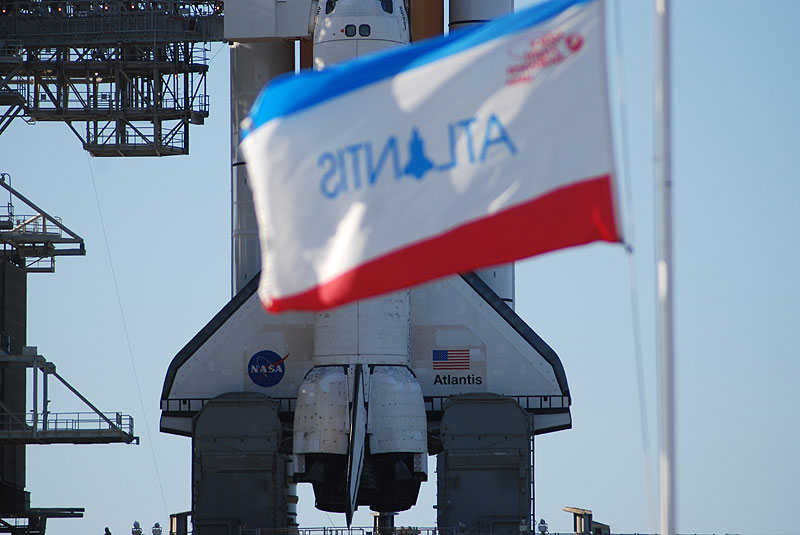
451 359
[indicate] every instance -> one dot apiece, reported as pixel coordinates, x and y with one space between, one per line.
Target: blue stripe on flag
292 93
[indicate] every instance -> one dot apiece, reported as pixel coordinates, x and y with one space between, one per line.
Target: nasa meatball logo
267 368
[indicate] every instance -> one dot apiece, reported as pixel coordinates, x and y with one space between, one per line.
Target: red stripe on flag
577 214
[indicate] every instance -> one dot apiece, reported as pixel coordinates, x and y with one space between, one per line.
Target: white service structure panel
261 20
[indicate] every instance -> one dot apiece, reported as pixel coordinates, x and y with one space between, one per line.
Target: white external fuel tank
360 431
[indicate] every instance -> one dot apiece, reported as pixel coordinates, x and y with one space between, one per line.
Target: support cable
221 46
634 293
127 338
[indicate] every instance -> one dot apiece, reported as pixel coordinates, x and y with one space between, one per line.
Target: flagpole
663 176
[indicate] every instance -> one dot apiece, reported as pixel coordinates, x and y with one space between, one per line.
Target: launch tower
31 241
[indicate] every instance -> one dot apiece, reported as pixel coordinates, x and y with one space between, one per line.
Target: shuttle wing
464 339
242 349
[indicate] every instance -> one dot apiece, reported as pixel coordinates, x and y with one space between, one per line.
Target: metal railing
65 422
398 530
432 403
36 225
339 531
401 530
89 54
43 426
530 403
191 405
110 134
82 8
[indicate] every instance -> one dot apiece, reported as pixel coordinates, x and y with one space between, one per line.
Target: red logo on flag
533 55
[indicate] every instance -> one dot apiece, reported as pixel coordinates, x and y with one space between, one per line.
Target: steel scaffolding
34 240
128 78
29 243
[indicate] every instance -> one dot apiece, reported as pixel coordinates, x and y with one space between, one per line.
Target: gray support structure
30 244
485 471
13 298
238 476
128 78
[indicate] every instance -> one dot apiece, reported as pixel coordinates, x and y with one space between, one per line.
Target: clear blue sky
737 197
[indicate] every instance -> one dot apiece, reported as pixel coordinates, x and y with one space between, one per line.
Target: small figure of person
107 532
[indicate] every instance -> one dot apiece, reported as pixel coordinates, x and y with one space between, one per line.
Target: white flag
475 149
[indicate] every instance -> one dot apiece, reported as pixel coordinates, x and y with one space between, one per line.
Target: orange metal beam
306 54
427 19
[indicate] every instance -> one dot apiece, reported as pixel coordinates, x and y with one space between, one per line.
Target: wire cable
330 519
127 337
221 46
630 240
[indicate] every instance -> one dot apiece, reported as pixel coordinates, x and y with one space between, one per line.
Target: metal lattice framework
47 427
127 77
33 241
